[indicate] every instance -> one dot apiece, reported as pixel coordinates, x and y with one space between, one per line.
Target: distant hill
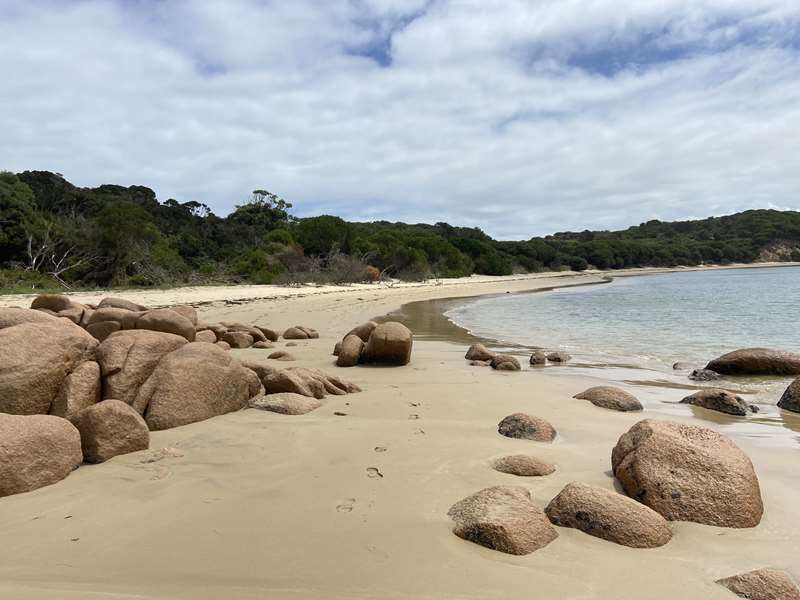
53 233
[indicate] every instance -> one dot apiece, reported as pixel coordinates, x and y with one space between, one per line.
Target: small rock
558 357
207 336
719 400
237 339
505 362
287 404
350 351
281 355
704 375
526 427
612 398
523 465
538 357
479 352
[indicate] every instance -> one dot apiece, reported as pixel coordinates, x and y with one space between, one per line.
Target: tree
18 218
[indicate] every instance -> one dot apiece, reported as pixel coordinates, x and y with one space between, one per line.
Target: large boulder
287 403
790 400
186 311
502 518
128 358
688 473
479 352
125 318
53 302
612 398
35 359
237 339
526 427
756 361
719 400
80 389
167 321
523 465
307 382
36 450
390 343
350 351
363 331
111 302
110 428
17 316
762 584
195 382
608 515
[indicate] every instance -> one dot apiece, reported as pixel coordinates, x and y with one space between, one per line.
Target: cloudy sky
523 117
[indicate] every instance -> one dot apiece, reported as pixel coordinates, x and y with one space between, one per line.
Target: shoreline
259 505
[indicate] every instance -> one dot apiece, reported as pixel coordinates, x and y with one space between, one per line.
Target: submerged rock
704 375
756 361
538 357
502 518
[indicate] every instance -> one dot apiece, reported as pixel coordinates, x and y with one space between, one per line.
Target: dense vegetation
53 233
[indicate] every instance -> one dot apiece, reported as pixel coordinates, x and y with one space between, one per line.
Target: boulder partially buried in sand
502 518
237 339
287 403
350 350
790 400
298 332
35 359
688 473
762 584
282 355
756 361
390 343
612 398
719 400
523 465
36 450
110 428
526 427
307 382
608 515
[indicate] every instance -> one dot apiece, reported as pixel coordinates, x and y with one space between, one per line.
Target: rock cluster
389 343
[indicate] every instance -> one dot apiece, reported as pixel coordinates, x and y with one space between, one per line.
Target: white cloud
491 113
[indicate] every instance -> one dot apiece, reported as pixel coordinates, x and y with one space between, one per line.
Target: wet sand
261 505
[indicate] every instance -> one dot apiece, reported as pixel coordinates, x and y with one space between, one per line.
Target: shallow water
632 330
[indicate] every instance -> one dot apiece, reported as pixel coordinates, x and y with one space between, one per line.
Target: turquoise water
633 329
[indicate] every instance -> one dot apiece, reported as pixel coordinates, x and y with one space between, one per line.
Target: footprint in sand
374 473
346 505
413 417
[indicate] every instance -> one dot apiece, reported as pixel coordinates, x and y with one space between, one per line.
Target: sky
522 117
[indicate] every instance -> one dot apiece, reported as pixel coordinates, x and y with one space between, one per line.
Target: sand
260 505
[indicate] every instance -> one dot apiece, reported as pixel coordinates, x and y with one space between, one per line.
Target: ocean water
635 328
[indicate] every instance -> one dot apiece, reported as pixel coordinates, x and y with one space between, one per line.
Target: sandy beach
261 505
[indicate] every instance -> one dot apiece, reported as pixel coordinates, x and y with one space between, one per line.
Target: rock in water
502 518
35 359
688 473
704 375
790 400
287 403
559 357
505 362
195 382
763 584
350 351
526 427
36 450
110 428
756 361
479 352
608 515
612 398
80 389
538 357
719 400
523 465
390 343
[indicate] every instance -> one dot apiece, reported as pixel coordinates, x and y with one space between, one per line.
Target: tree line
54 234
